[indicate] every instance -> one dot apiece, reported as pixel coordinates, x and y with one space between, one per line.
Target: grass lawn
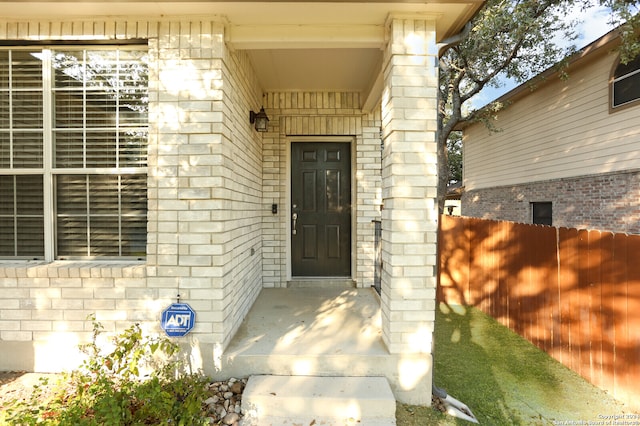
504 379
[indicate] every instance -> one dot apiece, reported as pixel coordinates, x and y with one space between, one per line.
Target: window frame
613 80
537 204
49 171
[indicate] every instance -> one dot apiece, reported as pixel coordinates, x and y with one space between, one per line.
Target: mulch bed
18 385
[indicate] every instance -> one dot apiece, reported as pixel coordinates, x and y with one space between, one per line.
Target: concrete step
326 365
310 400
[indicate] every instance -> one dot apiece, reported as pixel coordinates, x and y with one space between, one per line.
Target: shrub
140 381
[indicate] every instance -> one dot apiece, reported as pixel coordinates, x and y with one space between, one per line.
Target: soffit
306 46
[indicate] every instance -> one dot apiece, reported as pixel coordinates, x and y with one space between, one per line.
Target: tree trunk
443 172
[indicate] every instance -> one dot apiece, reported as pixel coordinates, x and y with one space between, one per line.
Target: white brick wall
320 114
214 160
212 180
49 302
204 199
409 181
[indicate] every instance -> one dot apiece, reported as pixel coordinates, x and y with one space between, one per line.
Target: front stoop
318 401
322 332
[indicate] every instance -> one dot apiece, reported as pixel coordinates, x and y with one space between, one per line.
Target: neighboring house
567 153
131 173
452 201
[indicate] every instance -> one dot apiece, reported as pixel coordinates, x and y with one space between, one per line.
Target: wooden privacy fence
573 293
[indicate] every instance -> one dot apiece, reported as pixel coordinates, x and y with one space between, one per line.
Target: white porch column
409 190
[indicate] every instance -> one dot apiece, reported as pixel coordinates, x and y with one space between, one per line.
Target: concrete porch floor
311 321
331 332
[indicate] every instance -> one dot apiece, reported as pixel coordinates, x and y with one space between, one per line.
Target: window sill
72 269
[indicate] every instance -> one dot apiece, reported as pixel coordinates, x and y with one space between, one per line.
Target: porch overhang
453 14
294 46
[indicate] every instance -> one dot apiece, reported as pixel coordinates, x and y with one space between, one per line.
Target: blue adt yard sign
178 319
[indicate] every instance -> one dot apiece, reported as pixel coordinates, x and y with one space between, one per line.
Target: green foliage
518 39
512 39
454 157
515 39
111 389
627 12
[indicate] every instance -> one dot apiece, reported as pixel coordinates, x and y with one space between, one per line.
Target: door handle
294 217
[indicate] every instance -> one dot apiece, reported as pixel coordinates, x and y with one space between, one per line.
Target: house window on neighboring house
73 152
542 213
626 84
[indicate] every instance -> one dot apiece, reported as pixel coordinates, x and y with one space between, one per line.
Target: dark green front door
320 209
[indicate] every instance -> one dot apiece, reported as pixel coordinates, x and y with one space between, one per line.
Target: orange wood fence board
573 293
608 308
633 314
620 294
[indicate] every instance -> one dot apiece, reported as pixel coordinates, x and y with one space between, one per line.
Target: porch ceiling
294 46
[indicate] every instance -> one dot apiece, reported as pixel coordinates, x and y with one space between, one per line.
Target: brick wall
45 307
409 191
205 165
609 202
409 181
320 116
204 206
212 179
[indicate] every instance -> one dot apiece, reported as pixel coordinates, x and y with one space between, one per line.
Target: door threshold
321 282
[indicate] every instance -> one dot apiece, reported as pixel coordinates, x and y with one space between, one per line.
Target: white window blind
87 152
21 216
21 110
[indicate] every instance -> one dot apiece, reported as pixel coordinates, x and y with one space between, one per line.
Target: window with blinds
73 152
626 84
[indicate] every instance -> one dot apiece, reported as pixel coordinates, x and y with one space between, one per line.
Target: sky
594 25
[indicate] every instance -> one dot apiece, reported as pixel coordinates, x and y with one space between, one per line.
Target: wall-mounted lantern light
259 120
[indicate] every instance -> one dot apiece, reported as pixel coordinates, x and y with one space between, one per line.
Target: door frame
321 139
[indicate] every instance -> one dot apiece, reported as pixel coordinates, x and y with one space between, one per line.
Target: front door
320 209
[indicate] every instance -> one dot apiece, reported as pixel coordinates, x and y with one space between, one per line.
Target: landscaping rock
236 388
224 401
231 419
